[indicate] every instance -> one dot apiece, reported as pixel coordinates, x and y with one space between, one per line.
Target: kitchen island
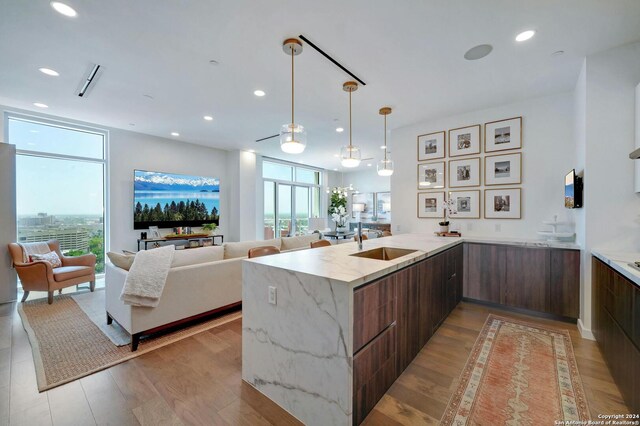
341 324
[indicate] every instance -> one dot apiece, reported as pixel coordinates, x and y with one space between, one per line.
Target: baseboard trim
586 333
521 310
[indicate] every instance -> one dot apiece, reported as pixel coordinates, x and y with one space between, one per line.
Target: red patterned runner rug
518 373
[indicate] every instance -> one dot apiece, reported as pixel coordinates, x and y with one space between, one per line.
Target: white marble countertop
620 262
335 262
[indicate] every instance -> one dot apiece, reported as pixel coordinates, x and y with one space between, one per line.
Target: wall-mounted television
572 190
168 200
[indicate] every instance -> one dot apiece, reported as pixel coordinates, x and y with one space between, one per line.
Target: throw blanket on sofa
147 277
33 248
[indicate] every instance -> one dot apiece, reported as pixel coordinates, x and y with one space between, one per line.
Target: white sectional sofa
201 281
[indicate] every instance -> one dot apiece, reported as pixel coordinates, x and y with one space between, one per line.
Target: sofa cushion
301 241
51 257
122 261
67 272
196 256
241 249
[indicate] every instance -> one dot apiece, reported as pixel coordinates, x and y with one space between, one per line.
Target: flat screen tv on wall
168 200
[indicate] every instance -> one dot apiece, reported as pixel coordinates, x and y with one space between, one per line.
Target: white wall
243 200
548 154
612 208
129 151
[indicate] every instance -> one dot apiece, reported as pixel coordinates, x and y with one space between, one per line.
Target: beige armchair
40 276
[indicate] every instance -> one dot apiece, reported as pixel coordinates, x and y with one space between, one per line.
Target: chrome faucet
359 235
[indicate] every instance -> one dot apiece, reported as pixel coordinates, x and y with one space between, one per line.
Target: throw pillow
122 261
51 257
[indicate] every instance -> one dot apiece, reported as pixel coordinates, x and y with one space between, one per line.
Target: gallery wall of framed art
477 168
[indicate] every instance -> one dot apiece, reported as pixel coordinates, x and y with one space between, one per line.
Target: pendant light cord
292 90
350 127
385 141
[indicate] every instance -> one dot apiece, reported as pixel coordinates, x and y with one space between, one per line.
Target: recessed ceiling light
336 155
382 146
147 96
132 124
208 117
40 105
369 164
64 9
214 62
49 71
175 134
558 53
301 162
335 170
259 93
478 52
525 35
339 130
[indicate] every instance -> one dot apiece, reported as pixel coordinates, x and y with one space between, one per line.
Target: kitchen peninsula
326 331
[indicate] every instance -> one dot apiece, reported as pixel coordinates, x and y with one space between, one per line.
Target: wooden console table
186 238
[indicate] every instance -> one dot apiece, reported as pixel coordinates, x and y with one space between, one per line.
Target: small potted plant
210 227
449 210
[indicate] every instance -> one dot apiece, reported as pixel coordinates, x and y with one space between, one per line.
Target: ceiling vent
86 84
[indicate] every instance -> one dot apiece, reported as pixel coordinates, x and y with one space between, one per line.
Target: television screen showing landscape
569 195
169 200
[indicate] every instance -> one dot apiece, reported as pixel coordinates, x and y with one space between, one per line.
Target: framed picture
431 146
466 204
464 141
383 206
464 173
366 199
154 232
431 175
503 135
431 205
503 169
503 203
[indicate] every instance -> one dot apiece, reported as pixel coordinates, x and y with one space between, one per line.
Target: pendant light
385 167
350 155
293 138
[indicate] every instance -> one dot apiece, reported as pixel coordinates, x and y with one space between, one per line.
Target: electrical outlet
272 295
498 227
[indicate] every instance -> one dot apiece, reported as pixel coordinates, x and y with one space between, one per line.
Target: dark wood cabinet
374 371
526 283
423 295
374 309
544 280
615 321
484 272
565 283
409 315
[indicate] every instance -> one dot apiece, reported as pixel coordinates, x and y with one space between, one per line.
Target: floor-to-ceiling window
291 197
60 177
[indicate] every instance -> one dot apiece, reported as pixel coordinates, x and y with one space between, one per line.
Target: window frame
72 126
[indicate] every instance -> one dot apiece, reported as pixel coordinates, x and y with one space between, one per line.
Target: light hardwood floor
198 381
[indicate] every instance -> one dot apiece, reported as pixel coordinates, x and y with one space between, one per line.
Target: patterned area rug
67 345
518 373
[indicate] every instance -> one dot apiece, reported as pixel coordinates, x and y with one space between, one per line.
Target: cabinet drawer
374 371
374 309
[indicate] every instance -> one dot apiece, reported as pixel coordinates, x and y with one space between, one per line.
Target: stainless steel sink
384 253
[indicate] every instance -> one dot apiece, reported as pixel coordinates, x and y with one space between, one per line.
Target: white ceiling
410 54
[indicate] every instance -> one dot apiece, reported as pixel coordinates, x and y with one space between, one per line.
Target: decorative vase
341 229
444 228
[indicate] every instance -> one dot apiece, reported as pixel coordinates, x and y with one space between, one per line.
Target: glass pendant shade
385 167
350 156
293 138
